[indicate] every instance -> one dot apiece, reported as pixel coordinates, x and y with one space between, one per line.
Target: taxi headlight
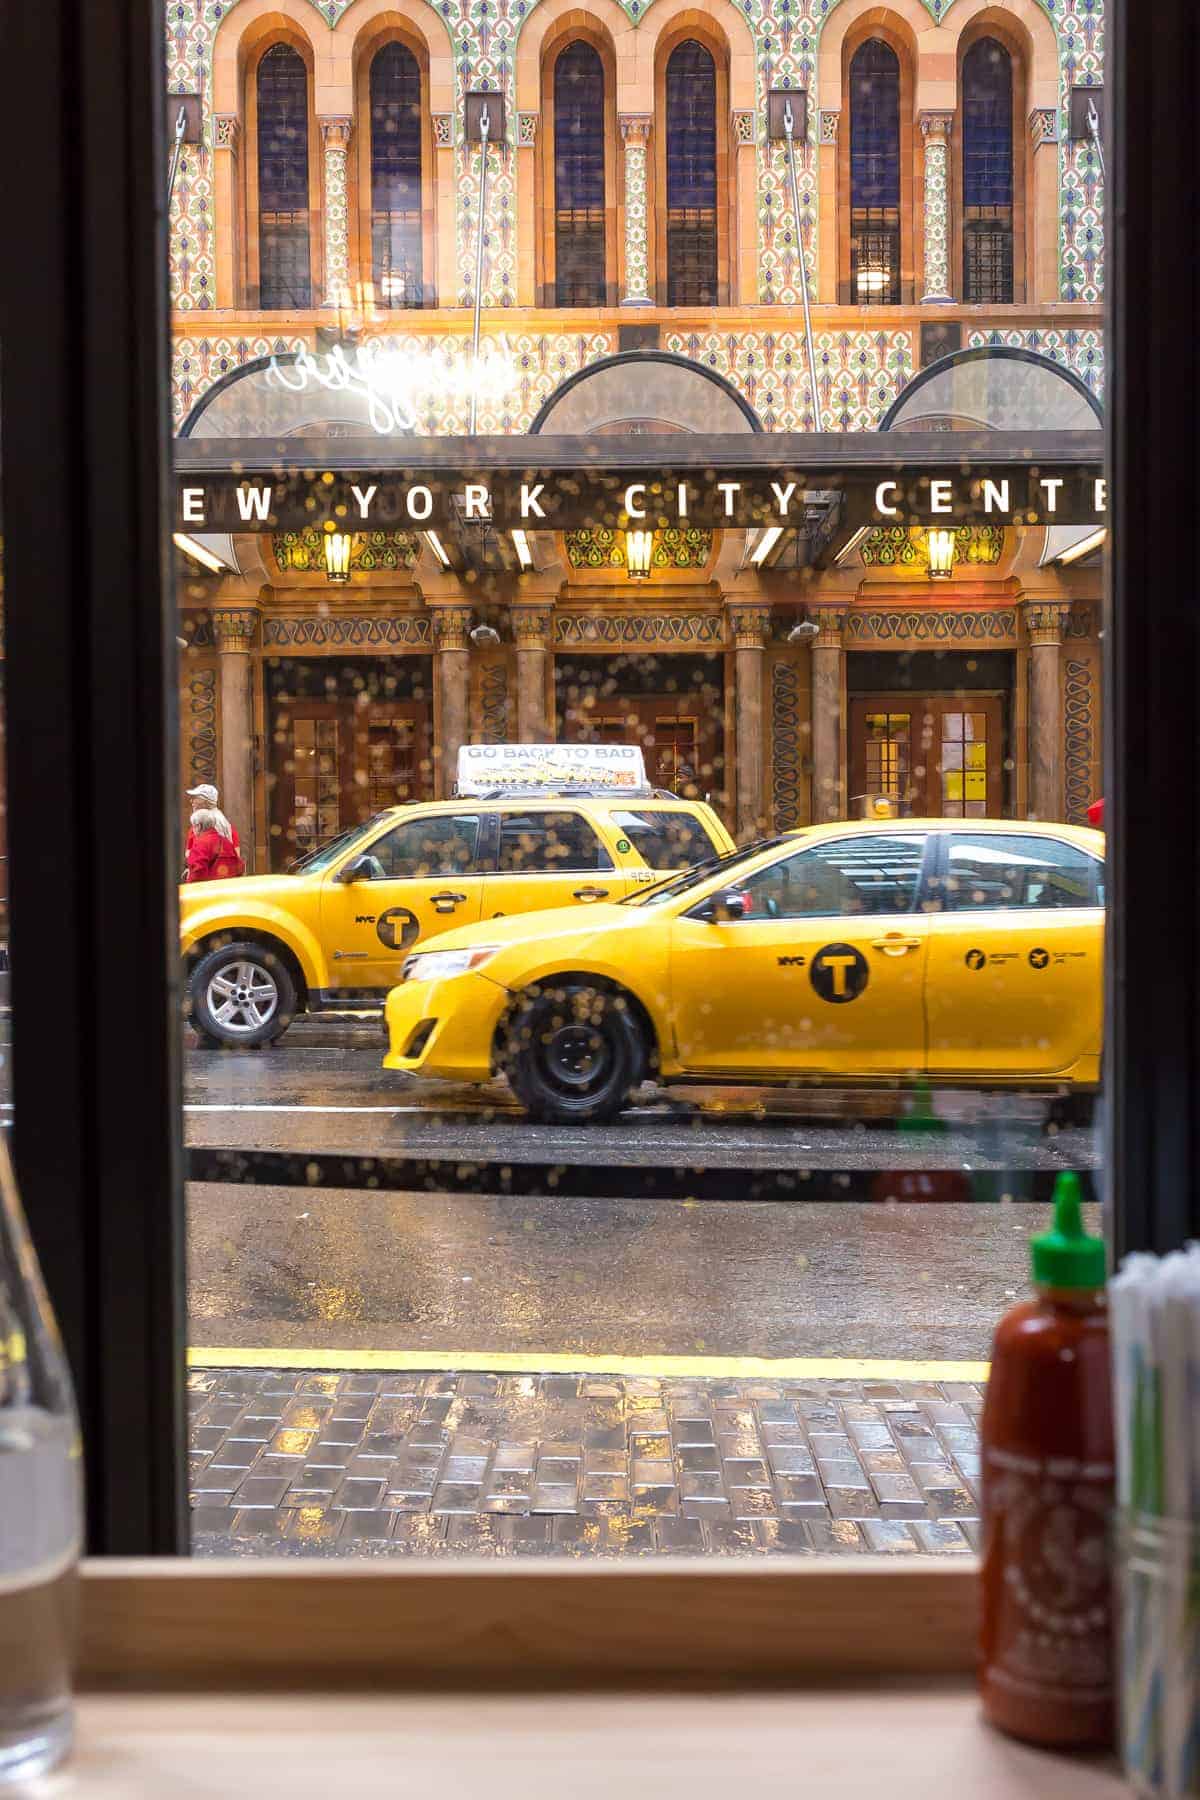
440 965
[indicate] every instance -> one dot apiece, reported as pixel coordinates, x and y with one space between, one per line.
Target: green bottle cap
1066 1256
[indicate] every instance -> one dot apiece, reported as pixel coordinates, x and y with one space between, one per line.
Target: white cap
206 792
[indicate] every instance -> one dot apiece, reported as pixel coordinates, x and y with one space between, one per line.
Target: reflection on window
691 176
579 177
283 253
964 765
875 175
441 845
316 782
888 744
665 840
987 126
396 177
549 842
1018 872
850 876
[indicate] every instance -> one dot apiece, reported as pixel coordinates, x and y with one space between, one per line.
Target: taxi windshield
689 878
314 862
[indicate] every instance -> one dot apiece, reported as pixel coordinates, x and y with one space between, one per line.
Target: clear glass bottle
41 1509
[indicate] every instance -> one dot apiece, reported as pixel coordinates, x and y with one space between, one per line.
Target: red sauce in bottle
1046 1635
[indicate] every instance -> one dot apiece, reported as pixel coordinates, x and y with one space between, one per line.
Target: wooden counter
893 1744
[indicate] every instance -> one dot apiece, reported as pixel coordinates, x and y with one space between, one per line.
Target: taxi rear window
667 840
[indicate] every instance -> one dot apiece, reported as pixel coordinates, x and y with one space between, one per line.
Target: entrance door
939 756
336 763
668 731
824 974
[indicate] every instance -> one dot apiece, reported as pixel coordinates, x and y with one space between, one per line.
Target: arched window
396 225
987 172
284 270
691 176
579 228
875 175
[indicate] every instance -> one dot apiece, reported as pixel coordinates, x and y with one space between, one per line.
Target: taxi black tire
207 1028
554 1024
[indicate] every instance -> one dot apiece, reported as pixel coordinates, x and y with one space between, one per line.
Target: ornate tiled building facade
863 358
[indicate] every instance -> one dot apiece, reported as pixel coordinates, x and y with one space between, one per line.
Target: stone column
450 627
234 630
935 129
749 626
828 253
828 778
1041 224
336 222
532 626
225 208
635 134
529 223
1045 622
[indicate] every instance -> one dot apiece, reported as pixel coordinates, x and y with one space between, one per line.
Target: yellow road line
508 1362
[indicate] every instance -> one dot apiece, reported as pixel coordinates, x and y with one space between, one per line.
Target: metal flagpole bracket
185 122
787 118
484 124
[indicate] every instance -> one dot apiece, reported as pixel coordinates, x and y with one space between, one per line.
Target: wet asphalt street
860 1265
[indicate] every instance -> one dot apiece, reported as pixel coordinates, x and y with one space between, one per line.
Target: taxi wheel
574 1053
242 995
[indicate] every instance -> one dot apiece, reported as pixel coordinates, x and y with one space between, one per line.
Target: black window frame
691 226
398 56
876 219
291 222
580 217
90 620
988 226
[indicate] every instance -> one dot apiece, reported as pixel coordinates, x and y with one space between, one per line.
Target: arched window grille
579 177
987 138
875 175
396 228
284 269
691 176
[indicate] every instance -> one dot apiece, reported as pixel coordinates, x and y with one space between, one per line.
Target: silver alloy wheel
242 997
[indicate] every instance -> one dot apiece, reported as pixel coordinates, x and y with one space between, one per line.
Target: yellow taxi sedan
966 951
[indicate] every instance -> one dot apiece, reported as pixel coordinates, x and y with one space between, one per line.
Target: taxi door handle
895 944
447 902
590 893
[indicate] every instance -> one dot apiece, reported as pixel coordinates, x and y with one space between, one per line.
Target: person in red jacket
213 853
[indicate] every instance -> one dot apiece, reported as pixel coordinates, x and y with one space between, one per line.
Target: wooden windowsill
892 1743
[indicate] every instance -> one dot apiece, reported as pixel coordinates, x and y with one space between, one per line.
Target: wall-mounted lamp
338 545
483 634
939 549
639 549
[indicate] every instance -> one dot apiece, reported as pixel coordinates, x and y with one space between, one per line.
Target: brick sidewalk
299 1463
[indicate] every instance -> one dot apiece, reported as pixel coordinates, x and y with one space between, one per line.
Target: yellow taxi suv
332 934
966 952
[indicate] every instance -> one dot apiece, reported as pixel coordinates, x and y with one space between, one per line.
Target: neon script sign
395 380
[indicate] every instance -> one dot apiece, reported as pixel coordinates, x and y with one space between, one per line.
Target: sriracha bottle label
1048 1570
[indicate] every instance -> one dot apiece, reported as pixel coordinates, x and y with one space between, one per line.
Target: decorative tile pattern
935 128
443 131
1080 351
201 724
196 362
303 552
675 547
899 547
786 761
336 134
645 630
1080 746
411 631
932 625
635 132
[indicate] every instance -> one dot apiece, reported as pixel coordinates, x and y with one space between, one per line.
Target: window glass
875 174
851 876
987 130
691 176
442 844
396 250
579 177
283 249
985 873
666 840
548 843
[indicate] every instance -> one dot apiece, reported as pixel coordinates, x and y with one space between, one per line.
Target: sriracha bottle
1046 1636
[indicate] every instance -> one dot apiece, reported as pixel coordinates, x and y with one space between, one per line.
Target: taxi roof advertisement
482 768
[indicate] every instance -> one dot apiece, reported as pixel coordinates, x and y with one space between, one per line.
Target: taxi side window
666 840
850 876
442 844
1018 873
548 843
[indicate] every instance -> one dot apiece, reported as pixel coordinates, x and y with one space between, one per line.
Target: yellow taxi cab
965 951
333 932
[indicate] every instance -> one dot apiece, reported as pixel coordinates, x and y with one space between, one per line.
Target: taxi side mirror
359 868
719 909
